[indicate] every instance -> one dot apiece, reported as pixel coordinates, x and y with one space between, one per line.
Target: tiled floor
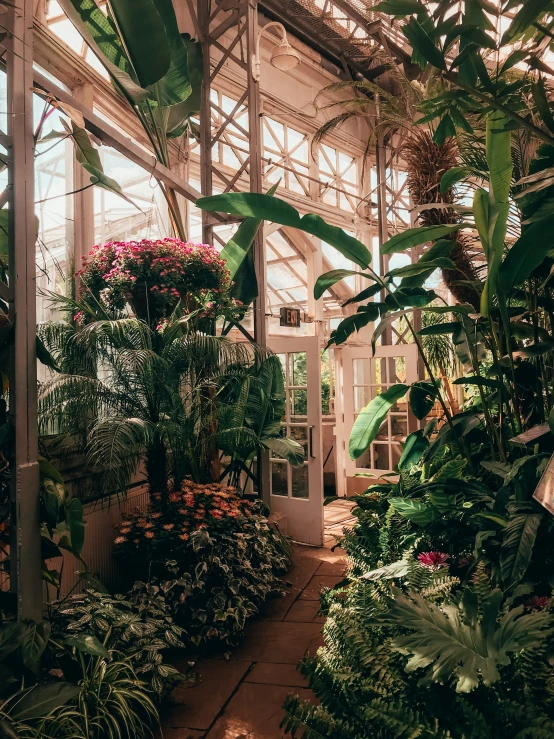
241 698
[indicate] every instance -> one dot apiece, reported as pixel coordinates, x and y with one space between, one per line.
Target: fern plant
168 397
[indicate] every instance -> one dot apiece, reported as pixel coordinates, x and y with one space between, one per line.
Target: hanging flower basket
153 277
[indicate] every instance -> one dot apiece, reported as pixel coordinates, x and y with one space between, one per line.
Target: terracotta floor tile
281 642
305 611
254 712
332 568
313 590
198 706
266 673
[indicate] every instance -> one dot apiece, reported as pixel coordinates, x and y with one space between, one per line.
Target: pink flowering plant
154 277
209 554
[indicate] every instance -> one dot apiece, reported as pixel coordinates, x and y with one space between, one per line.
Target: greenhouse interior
277 362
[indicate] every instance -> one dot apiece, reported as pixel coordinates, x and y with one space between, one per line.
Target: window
286 154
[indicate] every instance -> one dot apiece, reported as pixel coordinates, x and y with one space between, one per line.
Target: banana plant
154 67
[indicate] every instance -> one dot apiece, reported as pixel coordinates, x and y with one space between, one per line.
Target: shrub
141 633
208 555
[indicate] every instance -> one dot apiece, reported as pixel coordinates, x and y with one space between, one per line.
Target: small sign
544 492
531 436
290 317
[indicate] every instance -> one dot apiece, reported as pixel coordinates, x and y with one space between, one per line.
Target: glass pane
300 434
381 456
299 404
300 481
361 398
279 481
298 374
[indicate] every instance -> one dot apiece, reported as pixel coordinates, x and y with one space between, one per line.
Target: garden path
242 697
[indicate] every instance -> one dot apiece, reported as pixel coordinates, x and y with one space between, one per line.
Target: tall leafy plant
152 65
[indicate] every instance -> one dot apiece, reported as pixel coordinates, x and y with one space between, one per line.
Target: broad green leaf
6 729
365 314
384 323
366 425
33 643
41 700
369 292
420 235
144 37
87 644
439 329
416 511
517 546
481 207
514 58
76 525
439 250
175 85
328 279
446 129
422 43
526 254
479 381
413 296
499 159
394 570
538 91
420 267
47 469
422 398
454 175
268 208
415 446
286 448
102 37
239 245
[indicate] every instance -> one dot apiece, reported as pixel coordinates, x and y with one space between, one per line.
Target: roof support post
25 550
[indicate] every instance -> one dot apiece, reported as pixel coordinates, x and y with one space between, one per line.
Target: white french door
362 378
297 492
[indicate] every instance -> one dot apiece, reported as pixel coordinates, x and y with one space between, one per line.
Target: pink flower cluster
163 272
433 560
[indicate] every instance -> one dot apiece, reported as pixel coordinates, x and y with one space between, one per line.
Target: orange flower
169 526
216 513
120 539
233 513
125 530
149 534
184 537
174 497
199 515
136 541
155 515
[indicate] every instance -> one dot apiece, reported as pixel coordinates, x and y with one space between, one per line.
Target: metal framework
248 142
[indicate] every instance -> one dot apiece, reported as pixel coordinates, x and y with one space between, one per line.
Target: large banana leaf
371 417
268 208
144 37
175 85
420 235
526 254
499 159
102 37
517 545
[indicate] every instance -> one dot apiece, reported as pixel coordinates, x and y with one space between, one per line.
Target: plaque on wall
544 492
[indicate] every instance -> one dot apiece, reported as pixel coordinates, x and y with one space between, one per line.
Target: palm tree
426 161
169 399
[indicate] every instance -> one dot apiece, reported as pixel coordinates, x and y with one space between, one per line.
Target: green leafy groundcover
446 625
208 557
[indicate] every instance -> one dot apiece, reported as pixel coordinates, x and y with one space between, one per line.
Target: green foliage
208 558
128 392
140 633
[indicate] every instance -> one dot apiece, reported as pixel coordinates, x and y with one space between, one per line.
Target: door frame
349 483
304 515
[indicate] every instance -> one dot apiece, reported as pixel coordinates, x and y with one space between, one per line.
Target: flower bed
153 276
209 554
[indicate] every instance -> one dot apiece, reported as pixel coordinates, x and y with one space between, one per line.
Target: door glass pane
298 368
279 481
300 481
